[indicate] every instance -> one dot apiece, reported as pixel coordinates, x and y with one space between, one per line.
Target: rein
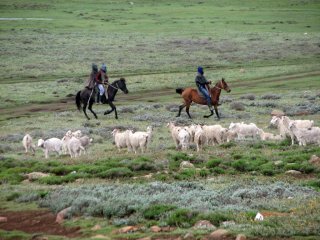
117 88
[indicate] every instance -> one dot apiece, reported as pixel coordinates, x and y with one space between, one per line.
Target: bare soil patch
40 221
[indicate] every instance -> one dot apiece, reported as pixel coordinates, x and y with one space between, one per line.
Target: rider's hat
200 70
104 67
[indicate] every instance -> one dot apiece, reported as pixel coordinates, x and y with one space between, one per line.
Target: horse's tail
78 101
179 90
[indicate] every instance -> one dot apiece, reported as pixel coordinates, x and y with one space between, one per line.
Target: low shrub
182 218
58 180
213 163
186 174
228 145
314 184
248 96
267 169
155 212
240 165
237 156
216 218
218 170
119 172
61 170
180 156
271 96
204 173
13 196
141 164
237 106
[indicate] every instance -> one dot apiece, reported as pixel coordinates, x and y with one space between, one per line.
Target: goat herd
73 143
301 130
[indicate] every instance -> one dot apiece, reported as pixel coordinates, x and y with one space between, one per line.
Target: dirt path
40 221
68 103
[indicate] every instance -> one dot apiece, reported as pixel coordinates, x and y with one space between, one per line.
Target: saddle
200 93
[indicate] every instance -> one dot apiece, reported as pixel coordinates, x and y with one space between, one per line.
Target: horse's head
122 85
224 85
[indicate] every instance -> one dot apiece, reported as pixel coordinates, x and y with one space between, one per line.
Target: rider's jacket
201 80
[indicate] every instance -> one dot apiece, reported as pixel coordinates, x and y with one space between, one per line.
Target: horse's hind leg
90 108
84 110
180 109
216 111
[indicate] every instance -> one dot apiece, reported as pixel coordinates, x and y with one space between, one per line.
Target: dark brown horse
86 97
191 95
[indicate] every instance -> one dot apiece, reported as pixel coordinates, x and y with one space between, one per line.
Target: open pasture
268 52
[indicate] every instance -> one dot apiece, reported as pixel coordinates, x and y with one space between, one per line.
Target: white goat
305 135
199 137
192 130
214 134
27 143
283 123
138 140
245 130
121 139
50 145
74 146
174 133
85 142
265 136
184 138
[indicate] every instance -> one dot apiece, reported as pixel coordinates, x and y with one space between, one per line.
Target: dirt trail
69 103
40 221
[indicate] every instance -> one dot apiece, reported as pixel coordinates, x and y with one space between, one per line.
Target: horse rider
202 84
101 79
91 82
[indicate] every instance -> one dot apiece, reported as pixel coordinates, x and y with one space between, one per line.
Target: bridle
117 88
218 87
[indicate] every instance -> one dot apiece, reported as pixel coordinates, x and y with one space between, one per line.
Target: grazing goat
50 145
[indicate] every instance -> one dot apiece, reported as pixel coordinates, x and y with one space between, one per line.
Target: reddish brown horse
191 95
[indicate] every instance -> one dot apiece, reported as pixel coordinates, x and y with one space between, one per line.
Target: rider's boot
98 99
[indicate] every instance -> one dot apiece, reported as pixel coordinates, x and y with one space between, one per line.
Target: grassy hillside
154 36
268 52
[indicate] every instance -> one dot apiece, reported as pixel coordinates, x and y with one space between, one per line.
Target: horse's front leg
187 110
216 111
113 108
